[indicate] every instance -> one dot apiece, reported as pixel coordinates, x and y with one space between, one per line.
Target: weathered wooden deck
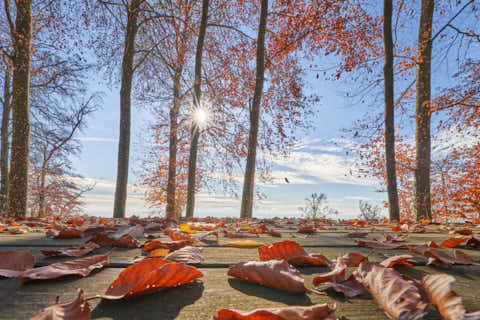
200 299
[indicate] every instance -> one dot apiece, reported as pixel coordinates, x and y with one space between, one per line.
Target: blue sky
319 163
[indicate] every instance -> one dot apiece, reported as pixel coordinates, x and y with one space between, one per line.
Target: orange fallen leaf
403 260
77 309
315 312
453 242
14 263
292 252
396 228
150 275
126 241
278 274
79 267
65 234
374 244
351 259
170 245
158 253
306 229
447 302
244 244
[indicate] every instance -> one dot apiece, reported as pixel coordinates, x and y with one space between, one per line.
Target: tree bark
125 111
422 135
5 144
171 209
197 89
393 208
249 180
18 176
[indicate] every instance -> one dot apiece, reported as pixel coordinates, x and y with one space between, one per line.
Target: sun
201 116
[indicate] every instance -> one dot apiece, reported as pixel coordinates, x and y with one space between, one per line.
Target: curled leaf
315 312
278 274
75 251
244 244
351 259
399 298
65 234
447 302
13 263
463 258
473 242
158 253
186 255
77 309
306 229
438 257
150 275
292 252
125 241
336 279
80 267
403 260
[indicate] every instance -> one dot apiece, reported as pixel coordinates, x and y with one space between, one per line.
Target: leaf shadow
289 298
165 304
312 270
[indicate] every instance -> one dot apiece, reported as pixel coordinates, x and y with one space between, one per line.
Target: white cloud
357 198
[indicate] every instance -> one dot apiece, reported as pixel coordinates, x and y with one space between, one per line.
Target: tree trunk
125 110
249 180
393 209
5 145
422 161
172 158
41 192
197 88
18 176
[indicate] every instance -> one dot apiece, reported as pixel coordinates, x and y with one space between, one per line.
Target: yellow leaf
186 228
244 227
244 244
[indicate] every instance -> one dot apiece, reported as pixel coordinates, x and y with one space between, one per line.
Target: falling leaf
447 302
403 260
399 298
80 267
292 252
150 275
76 309
187 255
170 245
277 274
75 251
315 312
13 263
244 244
453 242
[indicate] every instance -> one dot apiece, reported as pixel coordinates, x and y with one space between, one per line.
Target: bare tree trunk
41 192
422 161
5 145
18 176
125 111
172 211
197 88
393 209
249 180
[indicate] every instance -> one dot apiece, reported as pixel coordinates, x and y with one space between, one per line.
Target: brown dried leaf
447 302
403 260
463 258
81 267
277 274
315 312
351 259
76 309
399 298
13 263
75 251
170 245
150 275
336 279
438 257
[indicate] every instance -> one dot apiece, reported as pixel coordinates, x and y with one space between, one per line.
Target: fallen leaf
453 242
244 244
432 244
150 275
170 245
473 242
374 244
126 241
186 229
357 234
403 260
240 235
351 259
395 238
75 251
399 298
315 312
186 255
13 263
274 233
65 234
463 232
292 252
135 231
80 267
447 302
278 274
336 279
209 234
463 258
438 257
396 228
306 229
76 309
178 236
158 253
